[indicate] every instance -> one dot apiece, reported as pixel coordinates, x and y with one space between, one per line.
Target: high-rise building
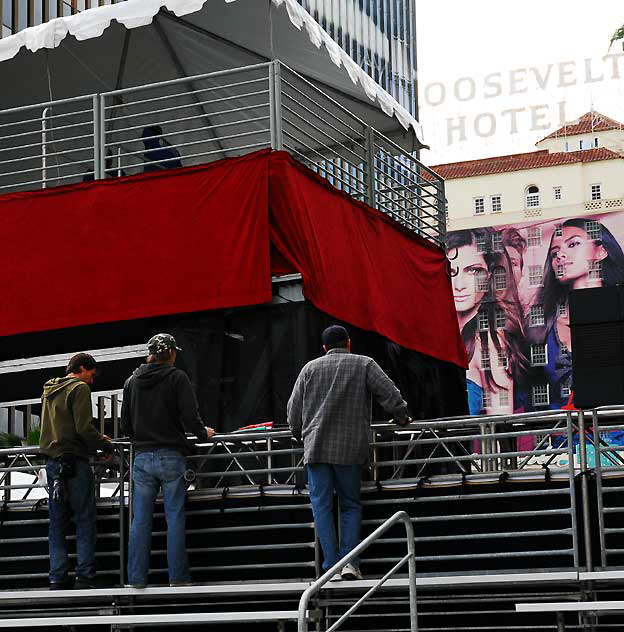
378 34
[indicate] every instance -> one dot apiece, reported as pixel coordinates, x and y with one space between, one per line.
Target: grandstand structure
504 509
494 525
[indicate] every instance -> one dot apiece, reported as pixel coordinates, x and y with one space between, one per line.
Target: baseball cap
334 334
160 343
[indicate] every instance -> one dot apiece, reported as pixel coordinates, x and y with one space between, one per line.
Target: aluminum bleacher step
277 588
175 618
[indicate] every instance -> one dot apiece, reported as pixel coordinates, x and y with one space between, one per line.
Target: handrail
410 558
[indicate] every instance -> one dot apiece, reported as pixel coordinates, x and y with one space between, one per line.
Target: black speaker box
597 325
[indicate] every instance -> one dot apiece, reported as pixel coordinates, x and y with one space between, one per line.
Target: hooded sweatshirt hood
67 420
149 375
57 385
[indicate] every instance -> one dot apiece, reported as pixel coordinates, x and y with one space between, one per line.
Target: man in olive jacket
68 436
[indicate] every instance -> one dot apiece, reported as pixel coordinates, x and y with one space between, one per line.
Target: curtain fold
360 266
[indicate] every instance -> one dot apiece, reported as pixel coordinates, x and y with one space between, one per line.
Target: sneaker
137 586
351 572
336 578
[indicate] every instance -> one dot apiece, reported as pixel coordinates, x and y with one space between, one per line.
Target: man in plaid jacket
330 409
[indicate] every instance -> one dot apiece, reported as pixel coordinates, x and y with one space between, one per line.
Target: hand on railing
402 422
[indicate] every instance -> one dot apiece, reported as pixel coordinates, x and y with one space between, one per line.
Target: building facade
524 230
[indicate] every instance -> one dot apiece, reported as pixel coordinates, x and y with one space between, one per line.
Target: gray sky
496 76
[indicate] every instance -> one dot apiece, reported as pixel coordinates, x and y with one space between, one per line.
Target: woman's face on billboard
470 266
571 253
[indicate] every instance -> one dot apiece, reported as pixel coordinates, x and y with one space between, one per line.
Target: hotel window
534 236
581 144
540 395
499 316
482 281
564 350
536 316
480 241
560 270
532 196
596 191
497 242
483 322
562 309
500 278
485 358
539 356
503 398
596 142
487 400
503 361
595 270
558 230
479 206
535 276
557 193
565 390
497 203
593 229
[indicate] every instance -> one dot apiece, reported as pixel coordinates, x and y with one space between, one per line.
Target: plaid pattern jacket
331 406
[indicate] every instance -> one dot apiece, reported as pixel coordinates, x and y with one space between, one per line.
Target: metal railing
514 493
208 117
409 558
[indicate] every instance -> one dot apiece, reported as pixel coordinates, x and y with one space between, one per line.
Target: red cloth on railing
196 239
359 266
175 241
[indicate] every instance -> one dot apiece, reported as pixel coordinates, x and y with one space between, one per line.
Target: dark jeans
159 469
323 478
79 505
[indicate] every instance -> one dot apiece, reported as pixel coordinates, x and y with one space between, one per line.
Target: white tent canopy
139 42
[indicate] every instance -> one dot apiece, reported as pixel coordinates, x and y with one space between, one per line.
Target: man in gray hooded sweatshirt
68 436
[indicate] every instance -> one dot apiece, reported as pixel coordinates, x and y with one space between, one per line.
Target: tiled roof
589 122
516 162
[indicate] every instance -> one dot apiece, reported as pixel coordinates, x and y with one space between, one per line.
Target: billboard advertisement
510 286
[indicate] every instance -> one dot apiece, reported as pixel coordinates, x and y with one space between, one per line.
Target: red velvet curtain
200 238
178 241
359 266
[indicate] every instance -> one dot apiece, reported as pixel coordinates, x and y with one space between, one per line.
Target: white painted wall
574 179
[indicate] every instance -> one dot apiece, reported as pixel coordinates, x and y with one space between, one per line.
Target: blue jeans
159 469
323 478
79 505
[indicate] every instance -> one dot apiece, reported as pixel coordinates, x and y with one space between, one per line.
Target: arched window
532 196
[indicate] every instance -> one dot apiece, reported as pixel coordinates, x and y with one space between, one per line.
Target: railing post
44 146
572 489
585 492
441 210
411 565
96 136
114 414
599 499
275 105
370 166
122 517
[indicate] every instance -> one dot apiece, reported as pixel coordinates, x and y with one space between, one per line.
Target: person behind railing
158 408
330 410
67 438
159 154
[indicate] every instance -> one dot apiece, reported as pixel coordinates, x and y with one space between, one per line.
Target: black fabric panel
243 362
